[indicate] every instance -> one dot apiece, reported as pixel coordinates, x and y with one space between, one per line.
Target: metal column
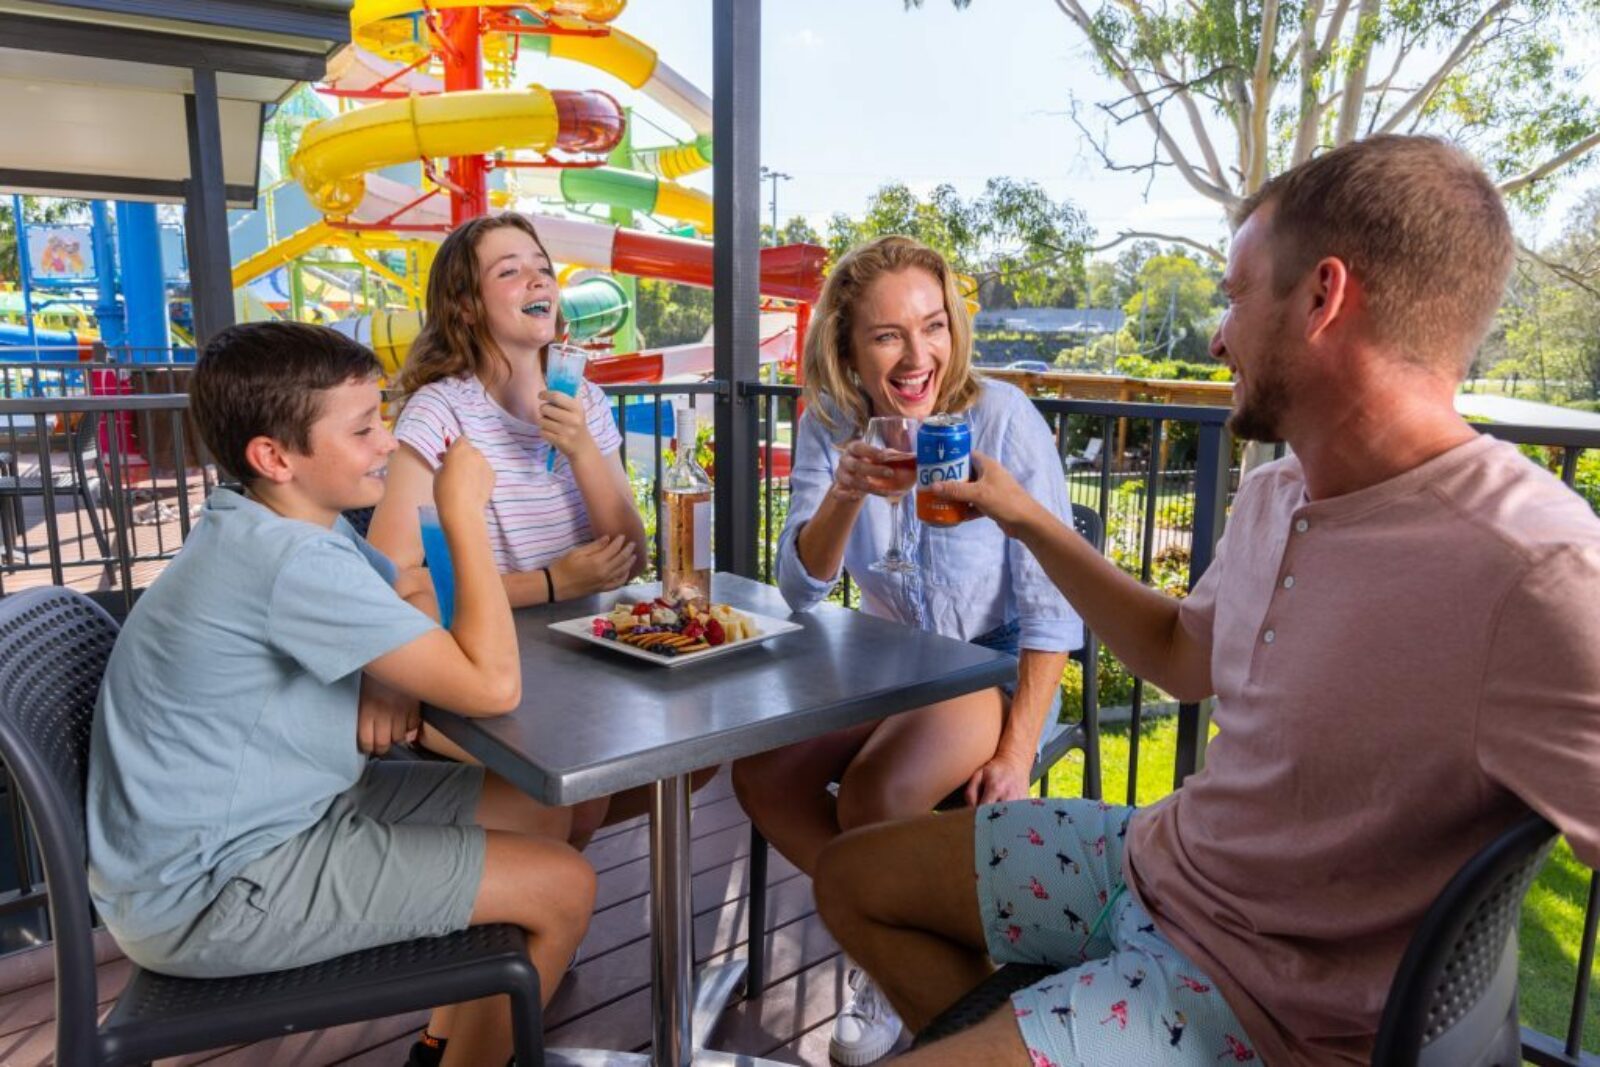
736 131
206 212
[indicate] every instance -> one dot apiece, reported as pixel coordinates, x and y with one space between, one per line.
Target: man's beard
1262 399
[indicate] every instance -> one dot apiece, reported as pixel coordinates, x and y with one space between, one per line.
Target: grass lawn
1552 919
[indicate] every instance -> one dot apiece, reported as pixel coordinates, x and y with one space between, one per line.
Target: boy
234 823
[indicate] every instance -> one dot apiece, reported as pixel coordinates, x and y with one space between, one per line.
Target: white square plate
583 629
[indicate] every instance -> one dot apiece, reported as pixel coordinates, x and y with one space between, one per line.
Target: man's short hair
1416 221
266 379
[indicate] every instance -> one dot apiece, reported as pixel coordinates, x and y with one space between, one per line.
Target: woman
477 369
891 337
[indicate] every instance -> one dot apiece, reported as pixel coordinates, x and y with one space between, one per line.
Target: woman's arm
608 496
395 530
1005 777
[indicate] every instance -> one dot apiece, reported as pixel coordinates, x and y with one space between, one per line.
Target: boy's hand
463 481
385 717
564 424
993 492
593 568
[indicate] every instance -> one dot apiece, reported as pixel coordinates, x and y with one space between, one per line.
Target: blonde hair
1417 221
832 390
455 339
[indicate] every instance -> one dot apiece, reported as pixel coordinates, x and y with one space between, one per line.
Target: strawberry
693 629
715 634
641 608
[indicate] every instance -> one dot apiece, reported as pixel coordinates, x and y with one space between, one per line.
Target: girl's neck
516 388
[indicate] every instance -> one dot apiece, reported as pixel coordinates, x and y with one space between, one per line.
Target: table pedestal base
714 988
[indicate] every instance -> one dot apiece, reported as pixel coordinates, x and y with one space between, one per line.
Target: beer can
944 454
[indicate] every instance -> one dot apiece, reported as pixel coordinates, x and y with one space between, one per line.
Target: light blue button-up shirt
973 578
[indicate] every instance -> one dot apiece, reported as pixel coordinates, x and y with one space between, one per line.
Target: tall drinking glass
563 373
441 568
897 438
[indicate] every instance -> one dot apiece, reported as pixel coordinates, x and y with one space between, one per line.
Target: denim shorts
395 857
1007 638
1050 891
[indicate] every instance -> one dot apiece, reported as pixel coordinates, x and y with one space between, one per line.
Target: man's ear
1333 297
269 459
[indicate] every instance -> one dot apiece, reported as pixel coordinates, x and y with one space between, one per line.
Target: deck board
604 1002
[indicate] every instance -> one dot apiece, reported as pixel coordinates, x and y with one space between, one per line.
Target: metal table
594 722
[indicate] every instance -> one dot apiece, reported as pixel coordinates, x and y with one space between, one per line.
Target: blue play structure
122 279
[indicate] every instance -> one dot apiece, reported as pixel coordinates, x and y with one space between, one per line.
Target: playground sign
60 252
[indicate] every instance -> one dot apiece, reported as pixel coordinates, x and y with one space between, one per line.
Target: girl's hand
596 567
859 471
564 424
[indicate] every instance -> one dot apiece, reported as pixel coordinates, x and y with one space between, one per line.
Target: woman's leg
914 760
785 792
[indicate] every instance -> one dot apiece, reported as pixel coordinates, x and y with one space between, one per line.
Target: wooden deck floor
604 1003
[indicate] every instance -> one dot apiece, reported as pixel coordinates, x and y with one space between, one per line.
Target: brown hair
1417 221
455 337
832 388
266 379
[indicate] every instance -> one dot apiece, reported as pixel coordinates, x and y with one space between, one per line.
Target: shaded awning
93 92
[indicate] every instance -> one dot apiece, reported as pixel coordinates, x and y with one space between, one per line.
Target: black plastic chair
54 644
1062 738
360 518
1453 1001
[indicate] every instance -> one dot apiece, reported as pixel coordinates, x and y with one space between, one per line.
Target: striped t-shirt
534 517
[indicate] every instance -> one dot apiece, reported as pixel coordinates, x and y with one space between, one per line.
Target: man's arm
1138 624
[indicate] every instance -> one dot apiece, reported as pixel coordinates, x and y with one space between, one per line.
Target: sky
859 93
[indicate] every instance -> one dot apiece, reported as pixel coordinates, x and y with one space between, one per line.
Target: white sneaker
866 1028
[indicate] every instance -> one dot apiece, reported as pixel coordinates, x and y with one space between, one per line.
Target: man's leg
995 1041
900 899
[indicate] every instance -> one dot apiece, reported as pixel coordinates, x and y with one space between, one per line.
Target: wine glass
897 438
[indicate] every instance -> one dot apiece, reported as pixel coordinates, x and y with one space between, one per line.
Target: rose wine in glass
896 437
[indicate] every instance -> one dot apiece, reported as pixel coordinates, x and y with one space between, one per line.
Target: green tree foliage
1174 306
1550 322
796 231
1233 92
669 314
1012 234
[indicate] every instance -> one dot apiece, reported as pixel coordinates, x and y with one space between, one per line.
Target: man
1399 631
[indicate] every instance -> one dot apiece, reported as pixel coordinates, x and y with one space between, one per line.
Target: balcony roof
93 95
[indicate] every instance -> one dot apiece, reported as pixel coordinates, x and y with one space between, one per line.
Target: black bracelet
549 586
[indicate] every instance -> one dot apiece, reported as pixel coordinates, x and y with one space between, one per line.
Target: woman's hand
596 567
860 471
564 424
997 781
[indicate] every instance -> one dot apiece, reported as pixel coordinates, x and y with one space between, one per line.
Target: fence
112 482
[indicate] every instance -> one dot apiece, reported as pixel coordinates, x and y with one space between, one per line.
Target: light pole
774 176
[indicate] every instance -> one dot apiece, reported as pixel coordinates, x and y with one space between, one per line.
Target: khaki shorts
395 857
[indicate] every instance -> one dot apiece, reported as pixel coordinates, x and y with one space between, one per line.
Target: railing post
736 300
1213 465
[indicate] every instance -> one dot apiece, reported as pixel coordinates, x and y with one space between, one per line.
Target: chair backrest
1091 451
359 519
54 645
1086 521
1454 994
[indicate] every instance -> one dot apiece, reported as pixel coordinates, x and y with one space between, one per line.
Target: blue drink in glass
436 551
564 367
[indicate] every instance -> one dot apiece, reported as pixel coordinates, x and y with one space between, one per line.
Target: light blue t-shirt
972 577
226 723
